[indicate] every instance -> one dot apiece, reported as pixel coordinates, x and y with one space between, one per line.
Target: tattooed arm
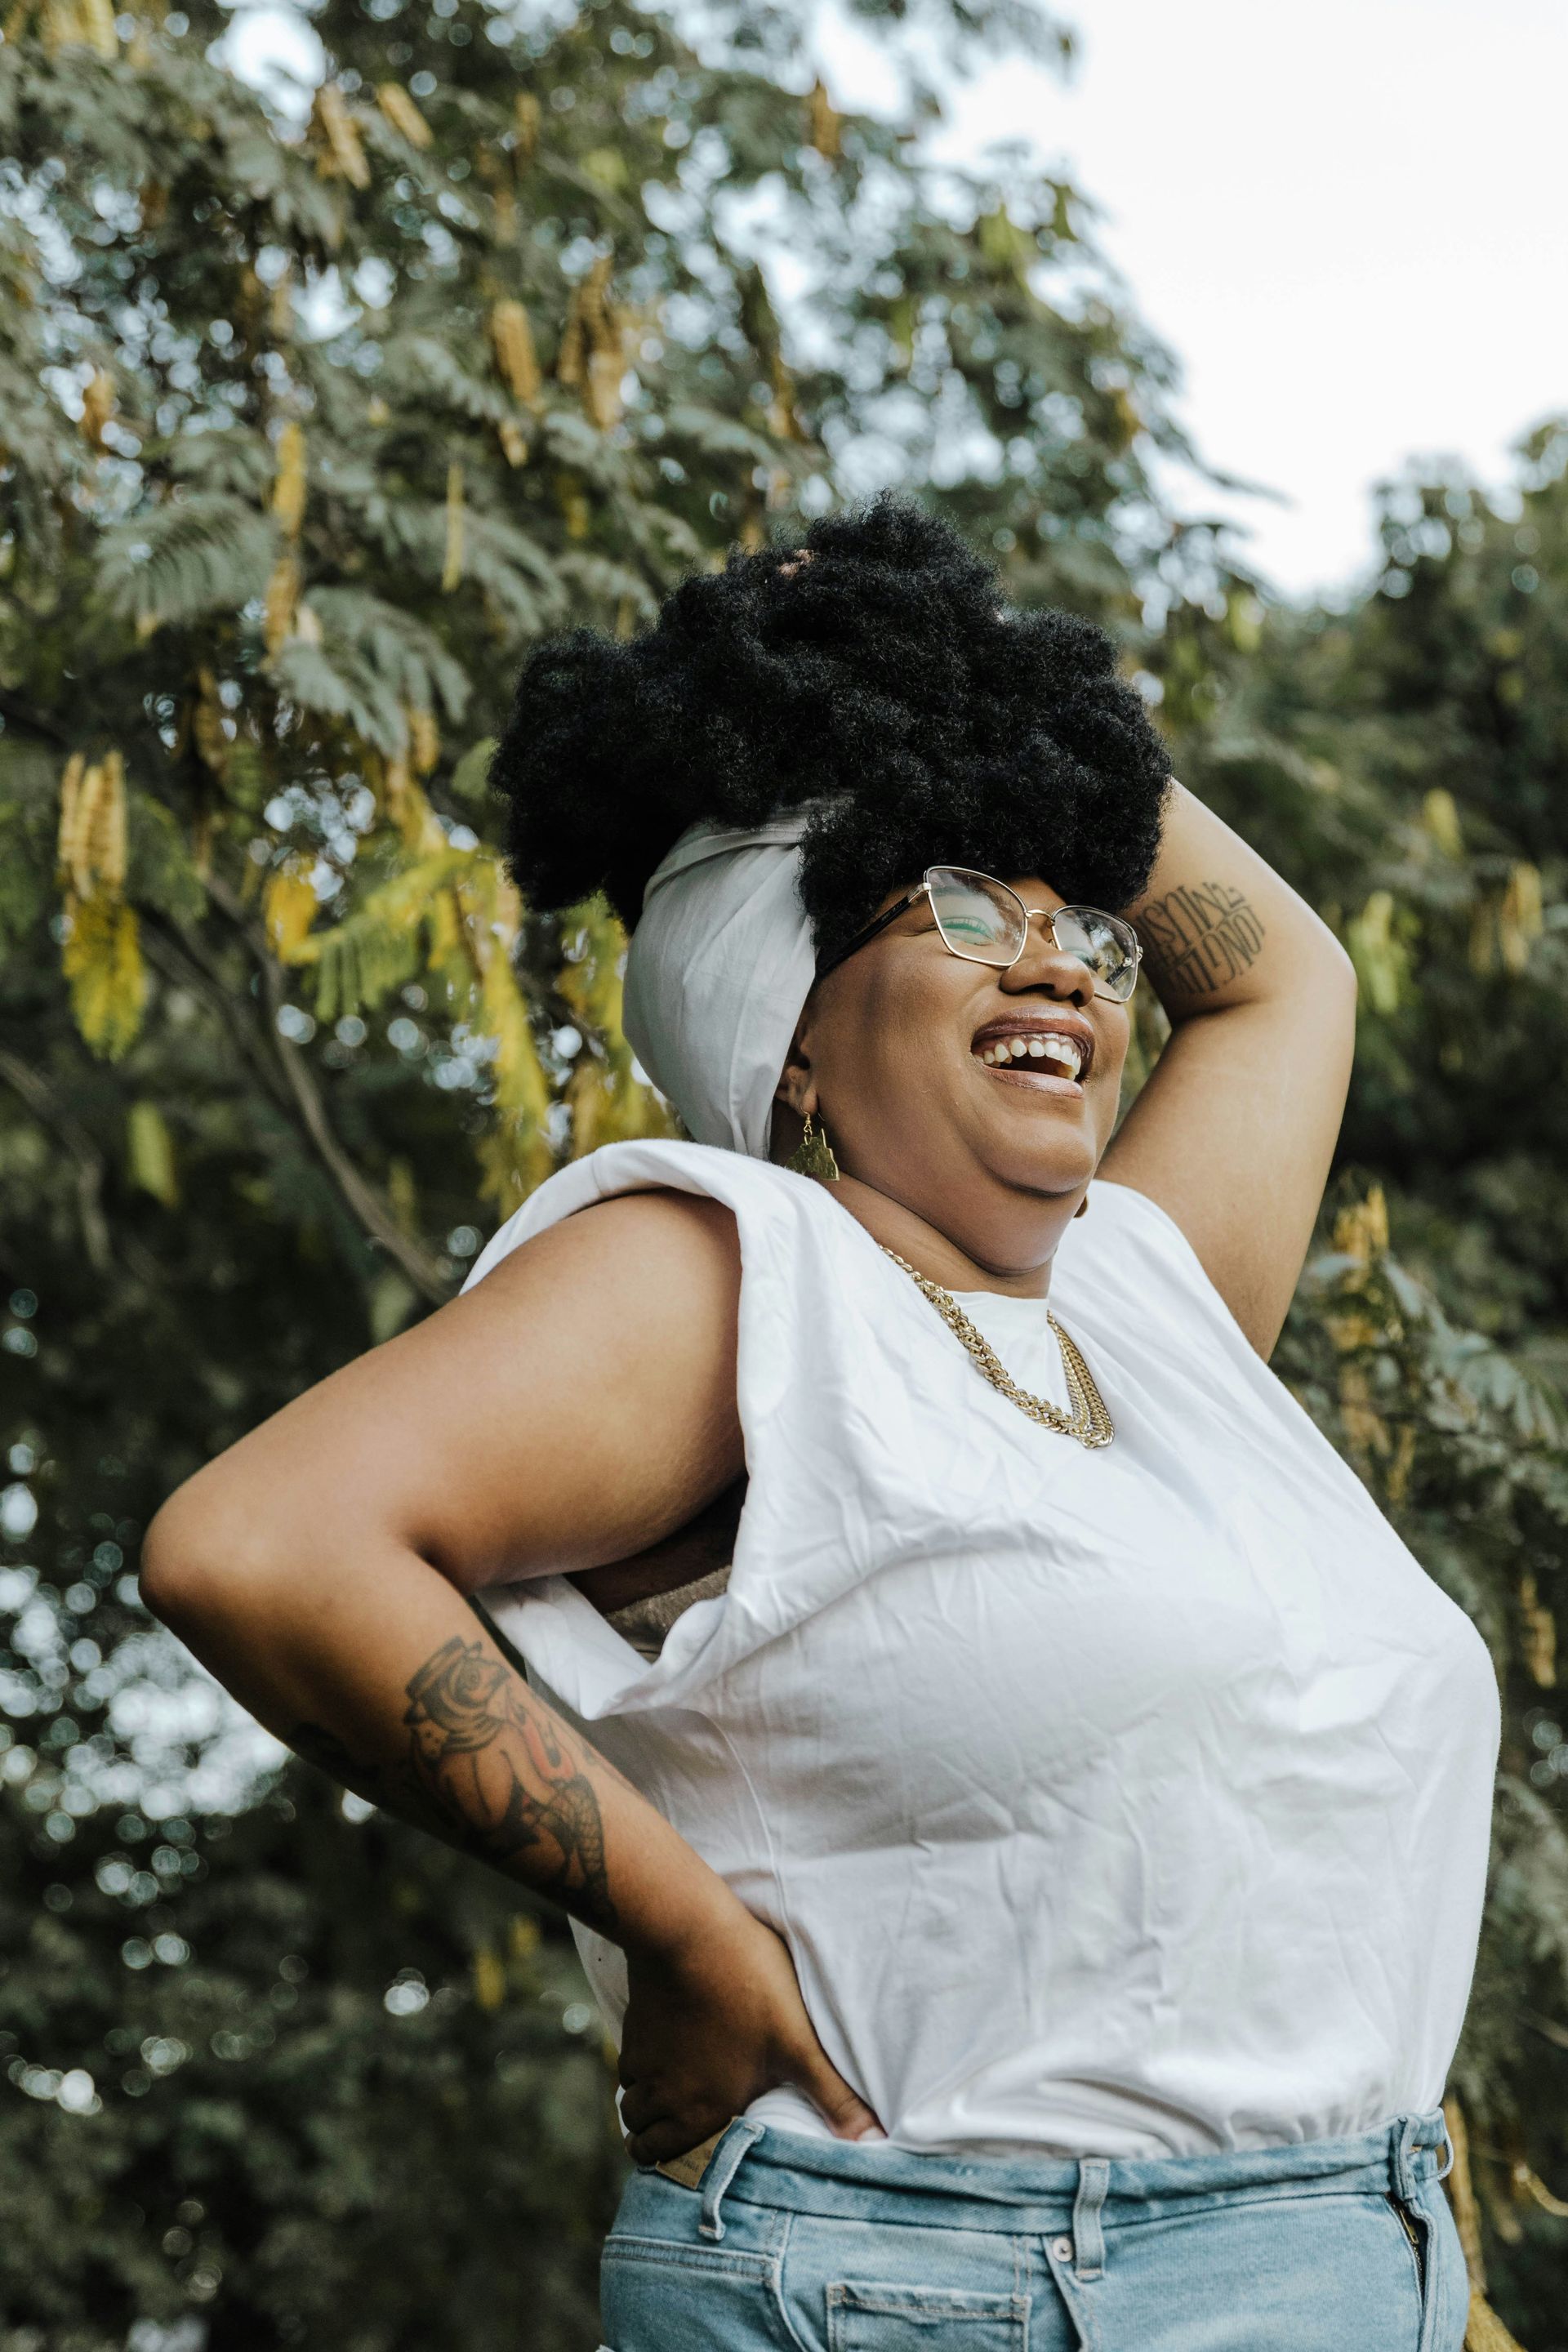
1235 1132
577 1402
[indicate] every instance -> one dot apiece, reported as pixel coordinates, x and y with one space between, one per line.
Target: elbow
191 1574
170 1571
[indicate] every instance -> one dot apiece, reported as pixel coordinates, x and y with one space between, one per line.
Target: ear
795 1094
796 1088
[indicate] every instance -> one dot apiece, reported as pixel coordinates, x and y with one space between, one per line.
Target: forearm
378 1671
1219 928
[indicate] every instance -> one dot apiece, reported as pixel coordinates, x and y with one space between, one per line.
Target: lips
1052 1049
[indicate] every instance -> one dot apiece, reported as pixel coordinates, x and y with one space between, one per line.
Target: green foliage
306 434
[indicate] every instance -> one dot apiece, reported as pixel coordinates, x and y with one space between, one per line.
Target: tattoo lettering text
1199 938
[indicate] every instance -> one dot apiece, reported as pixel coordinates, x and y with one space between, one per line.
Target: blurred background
341 355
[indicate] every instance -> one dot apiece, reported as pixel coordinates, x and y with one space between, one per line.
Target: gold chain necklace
1089 1420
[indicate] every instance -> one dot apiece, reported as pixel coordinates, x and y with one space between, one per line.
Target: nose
1043 964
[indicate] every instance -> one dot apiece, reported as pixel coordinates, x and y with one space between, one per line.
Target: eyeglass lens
983 921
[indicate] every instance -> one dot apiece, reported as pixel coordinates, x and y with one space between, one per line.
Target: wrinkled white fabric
720 965
1126 1803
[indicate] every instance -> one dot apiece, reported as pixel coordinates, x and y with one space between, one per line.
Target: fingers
664 2138
659 2123
844 2109
640 2108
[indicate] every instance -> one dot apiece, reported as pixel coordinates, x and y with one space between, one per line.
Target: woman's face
900 1054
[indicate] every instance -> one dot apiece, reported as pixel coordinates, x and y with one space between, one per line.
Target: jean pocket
865 2317
659 2297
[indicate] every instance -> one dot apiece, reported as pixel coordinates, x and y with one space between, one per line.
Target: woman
1023 1808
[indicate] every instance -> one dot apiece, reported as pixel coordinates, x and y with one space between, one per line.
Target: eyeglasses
983 921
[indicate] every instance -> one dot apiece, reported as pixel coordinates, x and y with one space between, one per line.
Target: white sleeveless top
1131 1803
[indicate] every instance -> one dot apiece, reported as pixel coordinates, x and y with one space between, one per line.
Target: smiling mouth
1047 1059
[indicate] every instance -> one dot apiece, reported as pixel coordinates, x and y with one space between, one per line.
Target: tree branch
359 1195
36 1092
19 712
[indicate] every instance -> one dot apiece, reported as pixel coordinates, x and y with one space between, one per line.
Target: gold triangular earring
815 1156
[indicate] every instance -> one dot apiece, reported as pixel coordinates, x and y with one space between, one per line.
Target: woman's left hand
713 2022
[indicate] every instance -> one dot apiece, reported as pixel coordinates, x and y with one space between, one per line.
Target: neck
935 1254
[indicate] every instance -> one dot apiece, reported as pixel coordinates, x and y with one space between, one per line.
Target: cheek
897 1029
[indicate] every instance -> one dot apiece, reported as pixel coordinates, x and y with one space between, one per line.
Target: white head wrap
720 965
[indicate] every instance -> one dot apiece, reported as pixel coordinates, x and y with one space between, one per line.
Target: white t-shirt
1127 1802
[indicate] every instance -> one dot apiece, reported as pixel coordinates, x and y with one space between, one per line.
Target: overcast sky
1348 222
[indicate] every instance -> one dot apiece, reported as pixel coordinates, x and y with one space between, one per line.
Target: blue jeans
789 2245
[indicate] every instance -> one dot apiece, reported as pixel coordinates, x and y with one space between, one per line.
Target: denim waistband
758 2165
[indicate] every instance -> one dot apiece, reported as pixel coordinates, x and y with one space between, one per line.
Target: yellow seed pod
489 1977
511 339
1539 1635
341 156
100 956
1361 1231
282 603
522 1936
573 502
150 1153
288 908
207 731
1378 955
280 309
91 845
825 123
514 447
402 114
1519 915
98 30
107 844
289 482
97 408
424 741
402 1195
1364 1426
69 854
602 393
452 562
1440 815
527 114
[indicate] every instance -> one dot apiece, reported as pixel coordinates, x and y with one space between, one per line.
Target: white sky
1349 222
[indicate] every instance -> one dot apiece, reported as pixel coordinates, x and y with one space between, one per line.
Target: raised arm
1235 1132
576 1405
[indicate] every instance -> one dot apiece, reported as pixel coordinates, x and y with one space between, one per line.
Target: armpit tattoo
488 1770
1199 938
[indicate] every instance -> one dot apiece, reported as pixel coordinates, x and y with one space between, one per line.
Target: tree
1403 761
309 432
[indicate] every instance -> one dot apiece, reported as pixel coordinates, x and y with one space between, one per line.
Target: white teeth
1064 1052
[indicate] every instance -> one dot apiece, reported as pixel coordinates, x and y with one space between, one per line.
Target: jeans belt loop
723 2166
1408 2145
1087 2237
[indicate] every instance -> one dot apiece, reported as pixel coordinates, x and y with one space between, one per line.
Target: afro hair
884 679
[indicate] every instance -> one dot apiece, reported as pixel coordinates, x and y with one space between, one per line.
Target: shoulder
668 1188
1129 1250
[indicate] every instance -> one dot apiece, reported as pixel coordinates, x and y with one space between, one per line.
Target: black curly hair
885 676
